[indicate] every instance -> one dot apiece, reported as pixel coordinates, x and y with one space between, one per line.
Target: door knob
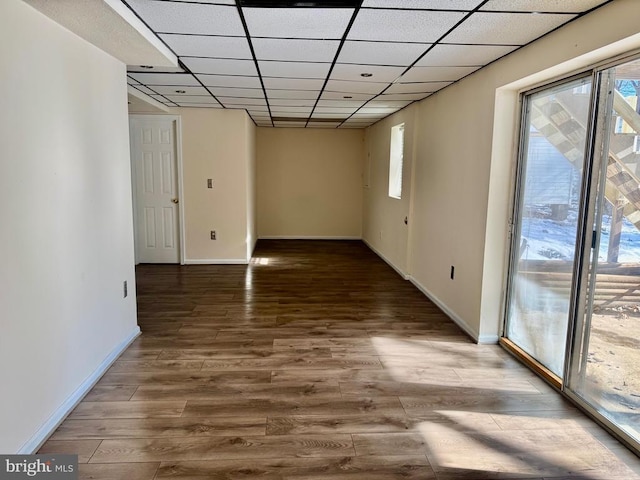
174 200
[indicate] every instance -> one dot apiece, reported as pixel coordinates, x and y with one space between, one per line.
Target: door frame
177 125
593 176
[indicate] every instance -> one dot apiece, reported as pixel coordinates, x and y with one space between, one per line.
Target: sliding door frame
587 239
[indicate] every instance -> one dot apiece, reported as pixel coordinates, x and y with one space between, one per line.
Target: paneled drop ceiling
332 63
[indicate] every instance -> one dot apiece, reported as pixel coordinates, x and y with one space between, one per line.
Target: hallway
317 361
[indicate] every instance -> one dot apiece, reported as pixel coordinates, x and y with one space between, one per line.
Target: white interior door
153 155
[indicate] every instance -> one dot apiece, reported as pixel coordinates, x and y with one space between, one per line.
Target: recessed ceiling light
181 91
347 96
366 75
148 67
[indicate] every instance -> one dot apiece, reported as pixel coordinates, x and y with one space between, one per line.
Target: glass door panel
605 368
552 155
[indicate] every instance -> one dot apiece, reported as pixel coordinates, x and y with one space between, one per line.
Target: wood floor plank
323 424
443 387
341 468
467 400
265 352
160 427
412 443
266 390
180 378
147 409
219 448
124 366
110 393
83 448
292 362
222 406
118 471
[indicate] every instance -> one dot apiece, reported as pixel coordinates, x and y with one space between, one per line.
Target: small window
395 161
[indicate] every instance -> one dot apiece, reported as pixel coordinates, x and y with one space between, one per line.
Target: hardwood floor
318 361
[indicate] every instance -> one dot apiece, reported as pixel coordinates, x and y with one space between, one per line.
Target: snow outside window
395 161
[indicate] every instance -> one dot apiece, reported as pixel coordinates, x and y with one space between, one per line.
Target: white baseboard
307 237
488 339
389 262
44 432
450 313
216 261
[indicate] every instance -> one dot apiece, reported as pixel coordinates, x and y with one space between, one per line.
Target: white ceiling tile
225 2
572 6
287 102
323 124
382 102
358 122
381 53
327 95
295 49
416 87
425 4
221 66
340 115
377 110
191 98
165 79
140 69
260 110
290 124
132 81
293 94
341 103
367 115
237 92
355 125
176 17
147 90
324 23
379 73
201 46
335 109
230 81
294 69
355 87
200 105
160 98
298 115
226 101
436 74
167 90
403 25
293 83
404 96
463 55
505 28
280 110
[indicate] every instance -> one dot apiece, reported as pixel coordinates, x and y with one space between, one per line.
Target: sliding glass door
605 363
573 298
552 161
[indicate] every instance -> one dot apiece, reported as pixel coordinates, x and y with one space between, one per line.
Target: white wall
383 227
217 144
462 180
66 240
252 227
309 182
